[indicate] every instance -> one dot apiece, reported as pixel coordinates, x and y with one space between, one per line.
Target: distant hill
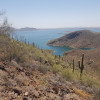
20 29
26 29
78 39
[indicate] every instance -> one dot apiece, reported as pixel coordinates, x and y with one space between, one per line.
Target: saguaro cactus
33 44
40 59
59 58
62 59
81 65
73 66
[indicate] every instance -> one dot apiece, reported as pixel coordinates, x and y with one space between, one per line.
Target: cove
41 36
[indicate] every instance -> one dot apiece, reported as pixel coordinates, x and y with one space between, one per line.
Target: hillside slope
78 39
28 73
92 59
23 76
20 83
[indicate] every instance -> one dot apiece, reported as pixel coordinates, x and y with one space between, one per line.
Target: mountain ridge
78 39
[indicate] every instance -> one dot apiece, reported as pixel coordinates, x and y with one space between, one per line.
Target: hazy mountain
26 29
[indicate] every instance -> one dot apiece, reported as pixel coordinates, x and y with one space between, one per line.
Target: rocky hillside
78 39
28 73
20 83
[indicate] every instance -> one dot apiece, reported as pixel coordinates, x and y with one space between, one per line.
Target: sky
52 13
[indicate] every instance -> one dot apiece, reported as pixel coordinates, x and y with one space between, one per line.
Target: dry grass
82 93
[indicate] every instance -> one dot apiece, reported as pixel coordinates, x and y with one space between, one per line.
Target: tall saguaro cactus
40 59
59 58
81 65
73 66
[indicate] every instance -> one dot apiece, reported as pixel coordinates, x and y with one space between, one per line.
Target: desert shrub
43 69
97 95
67 74
82 93
57 68
90 81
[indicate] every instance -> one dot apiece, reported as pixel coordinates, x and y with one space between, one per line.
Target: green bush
57 68
67 74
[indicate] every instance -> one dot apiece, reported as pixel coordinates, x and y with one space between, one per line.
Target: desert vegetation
32 59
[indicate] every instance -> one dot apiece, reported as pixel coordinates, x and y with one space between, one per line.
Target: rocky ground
20 83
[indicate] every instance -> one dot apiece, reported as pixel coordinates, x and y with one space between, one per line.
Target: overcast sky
52 13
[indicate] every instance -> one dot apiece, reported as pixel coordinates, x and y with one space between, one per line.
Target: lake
42 36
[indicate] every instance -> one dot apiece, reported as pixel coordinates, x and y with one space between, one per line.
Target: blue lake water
42 36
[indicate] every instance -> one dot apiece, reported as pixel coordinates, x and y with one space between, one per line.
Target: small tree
5 28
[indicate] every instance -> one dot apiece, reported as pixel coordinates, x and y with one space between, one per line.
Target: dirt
19 83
